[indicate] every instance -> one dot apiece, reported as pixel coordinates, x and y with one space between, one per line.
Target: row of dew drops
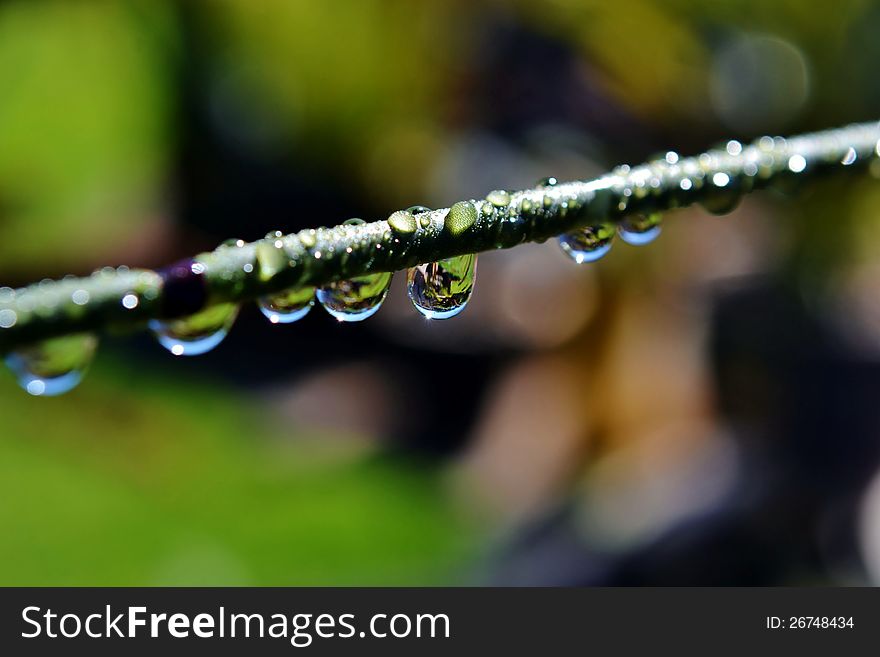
438 290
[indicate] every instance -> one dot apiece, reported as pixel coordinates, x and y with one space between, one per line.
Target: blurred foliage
183 484
84 126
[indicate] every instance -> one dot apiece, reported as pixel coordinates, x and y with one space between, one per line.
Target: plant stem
123 298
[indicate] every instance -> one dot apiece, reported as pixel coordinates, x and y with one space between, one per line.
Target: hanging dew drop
640 229
196 334
54 366
588 244
288 306
440 290
356 299
403 222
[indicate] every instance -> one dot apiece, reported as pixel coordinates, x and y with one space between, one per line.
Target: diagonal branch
124 298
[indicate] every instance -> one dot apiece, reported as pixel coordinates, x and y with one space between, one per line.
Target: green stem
122 298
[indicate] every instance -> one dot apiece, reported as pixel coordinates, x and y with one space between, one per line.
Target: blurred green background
545 438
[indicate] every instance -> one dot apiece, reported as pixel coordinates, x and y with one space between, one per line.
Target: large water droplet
640 229
356 299
288 306
723 194
53 367
588 244
440 290
195 334
403 222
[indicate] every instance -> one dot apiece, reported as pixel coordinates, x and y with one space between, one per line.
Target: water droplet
549 181
417 209
356 299
233 241
198 333
797 163
403 222
288 306
8 318
54 366
640 229
499 198
721 202
274 235
461 217
354 221
723 195
440 290
588 244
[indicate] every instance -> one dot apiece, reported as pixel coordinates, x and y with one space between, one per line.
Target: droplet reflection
356 299
440 290
287 306
588 244
54 366
641 229
196 334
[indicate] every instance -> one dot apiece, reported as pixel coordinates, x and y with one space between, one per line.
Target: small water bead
460 218
233 241
640 229
549 181
499 198
287 306
356 299
588 244
54 366
424 221
440 290
198 333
